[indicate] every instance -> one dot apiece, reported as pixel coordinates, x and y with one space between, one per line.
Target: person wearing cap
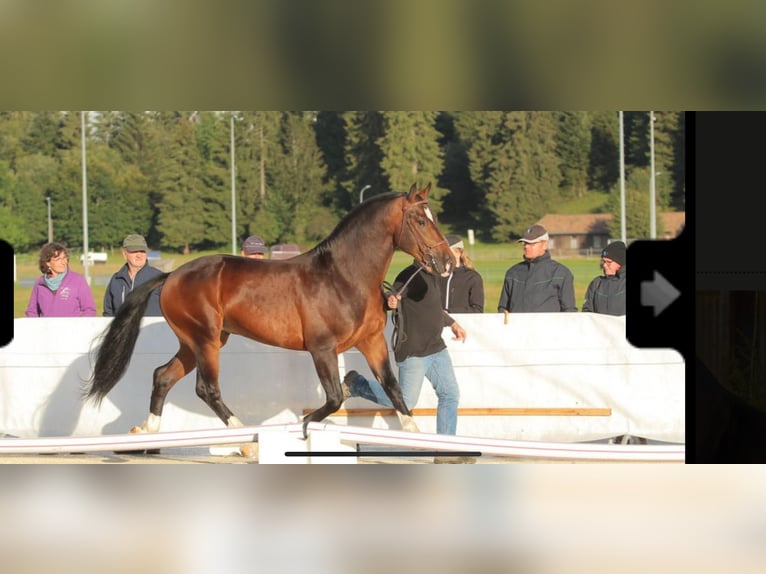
538 284
463 289
606 293
253 248
135 271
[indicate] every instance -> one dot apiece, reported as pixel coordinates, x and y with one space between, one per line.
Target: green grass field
491 261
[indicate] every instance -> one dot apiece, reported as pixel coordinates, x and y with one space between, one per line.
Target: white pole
652 215
50 222
361 193
233 194
623 224
85 249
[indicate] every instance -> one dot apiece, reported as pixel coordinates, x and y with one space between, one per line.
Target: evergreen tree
257 145
604 162
181 220
12 227
330 130
411 153
36 177
573 143
524 177
43 136
118 198
481 133
363 155
460 207
214 143
665 135
298 180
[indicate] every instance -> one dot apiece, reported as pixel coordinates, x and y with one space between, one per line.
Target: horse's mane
364 211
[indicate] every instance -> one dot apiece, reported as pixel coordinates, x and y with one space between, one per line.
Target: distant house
284 251
586 234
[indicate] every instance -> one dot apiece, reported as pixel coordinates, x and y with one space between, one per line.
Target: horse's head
419 235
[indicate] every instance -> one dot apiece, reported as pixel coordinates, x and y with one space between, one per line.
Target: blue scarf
54 282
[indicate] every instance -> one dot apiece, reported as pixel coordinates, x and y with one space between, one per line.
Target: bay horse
324 301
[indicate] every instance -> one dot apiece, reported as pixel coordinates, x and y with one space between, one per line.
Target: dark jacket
606 294
462 291
419 317
120 286
541 285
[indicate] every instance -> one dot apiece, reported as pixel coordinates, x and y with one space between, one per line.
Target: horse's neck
369 248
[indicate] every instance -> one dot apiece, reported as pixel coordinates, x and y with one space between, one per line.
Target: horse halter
428 248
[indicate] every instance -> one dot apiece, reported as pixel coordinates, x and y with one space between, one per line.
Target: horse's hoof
249 450
454 460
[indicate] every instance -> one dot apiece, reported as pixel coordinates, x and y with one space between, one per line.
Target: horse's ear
416 194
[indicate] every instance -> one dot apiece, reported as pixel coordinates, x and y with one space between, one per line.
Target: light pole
85 247
361 193
233 193
652 215
623 224
50 222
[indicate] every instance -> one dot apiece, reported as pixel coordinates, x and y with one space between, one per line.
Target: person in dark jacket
606 293
135 271
538 284
419 350
463 289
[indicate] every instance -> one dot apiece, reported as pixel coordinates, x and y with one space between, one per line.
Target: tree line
168 175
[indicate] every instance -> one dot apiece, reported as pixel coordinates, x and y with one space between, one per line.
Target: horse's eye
422 222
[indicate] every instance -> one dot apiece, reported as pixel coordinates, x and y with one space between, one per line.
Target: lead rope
389 289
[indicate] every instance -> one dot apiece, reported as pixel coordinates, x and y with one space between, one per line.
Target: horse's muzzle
441 263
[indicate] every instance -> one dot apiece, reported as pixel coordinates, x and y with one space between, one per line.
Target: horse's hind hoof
249 450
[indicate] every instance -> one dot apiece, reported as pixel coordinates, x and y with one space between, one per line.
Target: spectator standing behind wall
253 248
606 293
463 289
135 271
538 284
60 292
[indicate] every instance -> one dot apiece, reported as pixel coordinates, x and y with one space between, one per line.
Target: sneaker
345 385
454 460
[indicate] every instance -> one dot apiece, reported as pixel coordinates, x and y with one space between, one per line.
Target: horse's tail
119 339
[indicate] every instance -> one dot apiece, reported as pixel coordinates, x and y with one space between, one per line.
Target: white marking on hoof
408 423
152 424
234 423
249 450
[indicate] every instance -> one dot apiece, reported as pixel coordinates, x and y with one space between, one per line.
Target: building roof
578 224
590 223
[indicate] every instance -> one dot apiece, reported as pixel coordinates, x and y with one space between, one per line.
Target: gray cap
135 242
253 244
534 234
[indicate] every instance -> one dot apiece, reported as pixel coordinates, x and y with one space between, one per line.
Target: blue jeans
437 368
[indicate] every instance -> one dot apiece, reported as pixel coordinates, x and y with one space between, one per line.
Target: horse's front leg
375 350
326 364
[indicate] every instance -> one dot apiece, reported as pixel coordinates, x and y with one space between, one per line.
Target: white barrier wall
541 361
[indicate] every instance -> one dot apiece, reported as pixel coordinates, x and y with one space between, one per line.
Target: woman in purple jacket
60 292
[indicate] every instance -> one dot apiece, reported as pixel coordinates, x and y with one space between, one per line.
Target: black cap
616 251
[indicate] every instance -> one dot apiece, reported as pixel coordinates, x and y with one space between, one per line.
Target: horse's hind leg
208 389
164 378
